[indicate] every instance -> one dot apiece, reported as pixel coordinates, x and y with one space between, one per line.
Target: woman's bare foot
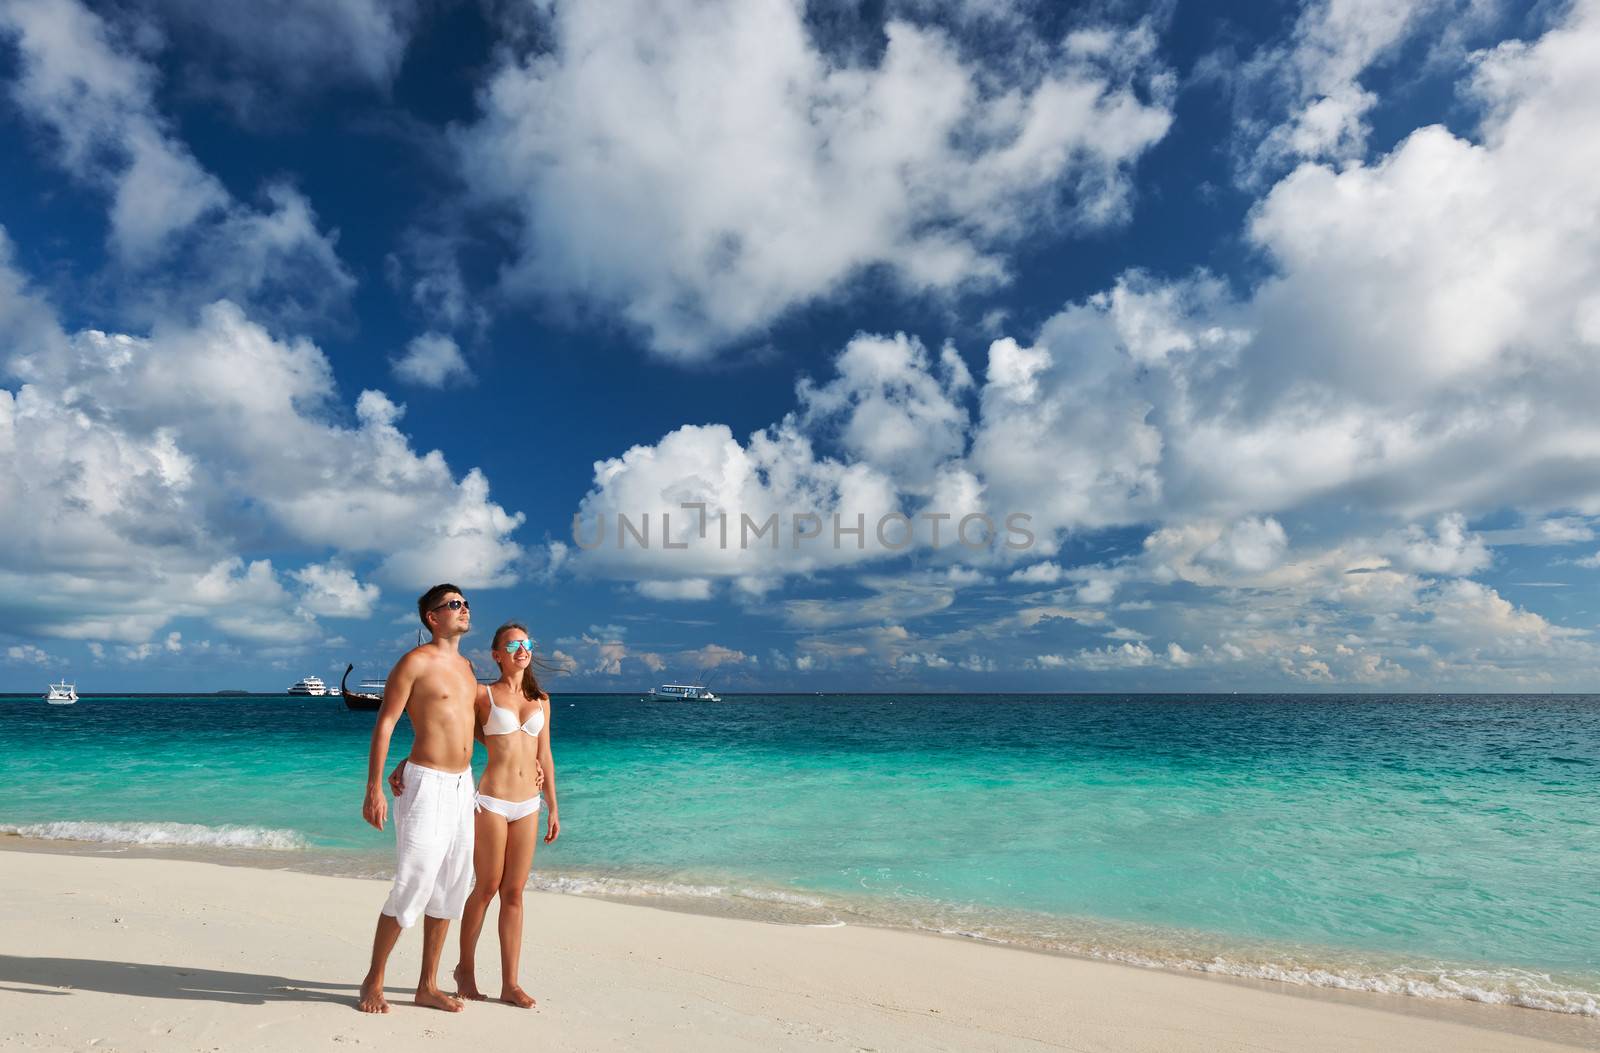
515 995
372 1000
433 998
467 985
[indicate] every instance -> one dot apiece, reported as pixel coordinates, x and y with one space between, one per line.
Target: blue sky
1278 325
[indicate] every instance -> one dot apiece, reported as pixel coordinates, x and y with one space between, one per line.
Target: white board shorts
433 823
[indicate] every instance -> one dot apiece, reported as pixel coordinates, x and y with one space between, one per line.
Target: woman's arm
547 766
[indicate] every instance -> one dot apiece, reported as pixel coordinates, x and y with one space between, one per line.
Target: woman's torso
512 727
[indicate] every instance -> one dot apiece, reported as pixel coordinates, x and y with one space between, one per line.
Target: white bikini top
504 721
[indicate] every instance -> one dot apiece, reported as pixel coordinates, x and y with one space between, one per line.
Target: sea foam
163 834
1529 989
598 885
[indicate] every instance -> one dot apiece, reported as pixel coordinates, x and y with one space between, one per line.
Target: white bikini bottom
512 810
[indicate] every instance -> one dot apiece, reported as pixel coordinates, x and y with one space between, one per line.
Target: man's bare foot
372 1000
433 998
467 985
515 995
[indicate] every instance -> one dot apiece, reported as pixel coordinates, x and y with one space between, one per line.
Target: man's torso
441 712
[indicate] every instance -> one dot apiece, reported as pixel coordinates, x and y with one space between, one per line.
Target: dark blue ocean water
1447 846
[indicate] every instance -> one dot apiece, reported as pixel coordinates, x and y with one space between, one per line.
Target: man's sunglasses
512 646
455 605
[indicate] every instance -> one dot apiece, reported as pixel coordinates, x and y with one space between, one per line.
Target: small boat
309 685
62 694
680 693
368 699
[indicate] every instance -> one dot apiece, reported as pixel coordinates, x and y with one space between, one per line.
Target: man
433 685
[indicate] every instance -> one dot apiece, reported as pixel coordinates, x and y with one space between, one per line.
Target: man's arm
396 693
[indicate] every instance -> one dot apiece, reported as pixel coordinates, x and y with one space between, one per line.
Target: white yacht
680 693
309 686
62 694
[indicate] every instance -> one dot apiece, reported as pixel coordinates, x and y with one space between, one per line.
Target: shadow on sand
170 981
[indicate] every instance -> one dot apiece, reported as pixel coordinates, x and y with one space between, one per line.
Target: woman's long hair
530 683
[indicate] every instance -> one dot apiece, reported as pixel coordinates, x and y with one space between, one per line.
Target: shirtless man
433 819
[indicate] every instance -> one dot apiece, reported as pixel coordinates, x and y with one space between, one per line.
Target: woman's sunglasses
512 646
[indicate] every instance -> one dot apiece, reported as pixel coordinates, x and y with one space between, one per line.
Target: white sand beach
168 954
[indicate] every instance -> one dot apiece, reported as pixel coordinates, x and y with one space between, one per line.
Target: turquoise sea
1441 846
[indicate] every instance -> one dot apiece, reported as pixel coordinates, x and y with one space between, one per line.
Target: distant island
230 691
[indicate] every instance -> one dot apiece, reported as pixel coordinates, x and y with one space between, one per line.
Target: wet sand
124 953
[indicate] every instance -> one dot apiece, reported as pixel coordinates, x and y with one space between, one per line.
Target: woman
513 723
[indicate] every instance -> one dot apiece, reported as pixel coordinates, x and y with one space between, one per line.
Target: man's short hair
430 599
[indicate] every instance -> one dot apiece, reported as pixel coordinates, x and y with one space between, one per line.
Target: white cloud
28 654
432 360
1334 42
703 170
1459 385
1423 348
1303 99
1066 427
889 409
99 105
1251 550
891 599
1389 372
1474 615
605 655
333 591
1031 616
427 268
713 656
1046 573
881 645
776 473
96 96
1112 656
255 51
1312 671
166 454
249 600
1338 615
1553 530
1447 321
274 258
1252 545
1098 589
1564 530
1450 549
681 589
